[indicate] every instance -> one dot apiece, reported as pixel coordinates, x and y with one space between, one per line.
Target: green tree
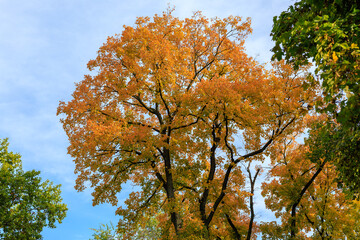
27 204
146 231
328 33
105 232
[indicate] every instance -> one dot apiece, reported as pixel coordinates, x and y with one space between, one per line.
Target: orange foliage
322 212
174 107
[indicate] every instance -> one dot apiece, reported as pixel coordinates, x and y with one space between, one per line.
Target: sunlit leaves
326 33
174 107
27 204
303 191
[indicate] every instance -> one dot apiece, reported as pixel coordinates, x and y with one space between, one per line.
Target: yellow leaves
323 204
354 46
167 106
334 57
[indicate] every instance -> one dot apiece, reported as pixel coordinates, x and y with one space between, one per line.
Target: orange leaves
306 196
174 107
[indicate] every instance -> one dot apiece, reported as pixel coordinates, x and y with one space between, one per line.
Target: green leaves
27 205
327 33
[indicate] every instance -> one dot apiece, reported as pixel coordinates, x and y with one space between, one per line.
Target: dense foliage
27 204
177 108
328 33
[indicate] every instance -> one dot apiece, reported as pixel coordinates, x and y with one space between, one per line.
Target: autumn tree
327 33
27 204
302 190
174 107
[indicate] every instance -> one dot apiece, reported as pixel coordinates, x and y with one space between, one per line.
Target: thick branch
297 201
233 164
158 175
252 191
149 109
233 227
211 175
163 100
226 140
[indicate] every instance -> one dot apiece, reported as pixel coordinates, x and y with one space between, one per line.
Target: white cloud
44 48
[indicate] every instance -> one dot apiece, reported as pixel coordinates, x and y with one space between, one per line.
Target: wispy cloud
44 48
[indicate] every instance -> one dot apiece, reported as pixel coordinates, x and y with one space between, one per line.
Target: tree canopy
145 231
302 190
327 33
27 204
177 107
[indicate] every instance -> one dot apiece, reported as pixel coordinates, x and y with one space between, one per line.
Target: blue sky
44 48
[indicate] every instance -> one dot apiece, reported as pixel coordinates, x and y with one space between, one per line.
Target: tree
327 33
105 232
146 231
175 107
302 191
27 205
